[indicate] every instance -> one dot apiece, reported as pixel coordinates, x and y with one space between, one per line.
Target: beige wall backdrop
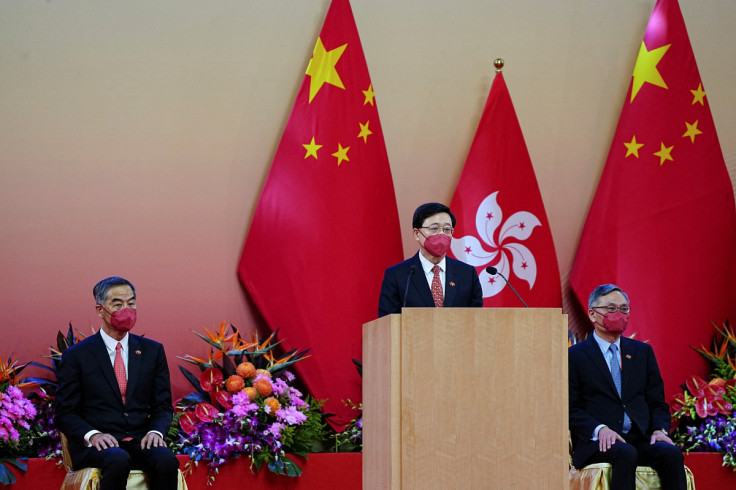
135 136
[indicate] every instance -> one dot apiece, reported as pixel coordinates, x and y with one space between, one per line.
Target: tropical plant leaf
358 366
40 381
18 463
193 398
193 380
291 468
61 341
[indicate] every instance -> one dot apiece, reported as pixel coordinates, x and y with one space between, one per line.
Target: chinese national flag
662 225
500 214
326 225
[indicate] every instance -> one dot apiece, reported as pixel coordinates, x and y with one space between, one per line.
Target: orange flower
234 383
263 386
272 403
263 372
246 370
251 392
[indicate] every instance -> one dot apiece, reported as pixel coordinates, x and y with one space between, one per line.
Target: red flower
205 412
708 397
210 378
695 385
224 399
678 402
188 422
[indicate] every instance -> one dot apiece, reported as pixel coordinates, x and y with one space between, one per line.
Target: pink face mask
615 322
437 245
122 320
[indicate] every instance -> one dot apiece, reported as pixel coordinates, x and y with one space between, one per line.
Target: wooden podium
465 398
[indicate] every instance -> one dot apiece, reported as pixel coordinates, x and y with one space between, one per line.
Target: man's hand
659 435
607 438
103 441
152 439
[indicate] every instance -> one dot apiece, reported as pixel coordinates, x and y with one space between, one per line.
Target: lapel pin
137 353
628 356
452 284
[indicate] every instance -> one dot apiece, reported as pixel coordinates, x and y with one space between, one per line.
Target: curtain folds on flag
326 225
662 224
501 217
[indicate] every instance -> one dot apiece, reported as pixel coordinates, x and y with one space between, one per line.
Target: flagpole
498 64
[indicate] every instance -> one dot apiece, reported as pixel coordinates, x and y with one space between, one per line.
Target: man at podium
430 278
618 413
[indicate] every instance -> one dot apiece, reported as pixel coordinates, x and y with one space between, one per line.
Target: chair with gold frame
89 478
597 476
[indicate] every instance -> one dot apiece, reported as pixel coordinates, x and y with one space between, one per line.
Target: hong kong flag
501 217
326 225
662 225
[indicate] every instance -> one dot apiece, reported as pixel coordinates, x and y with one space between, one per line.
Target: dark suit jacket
462 286
595 401
88 396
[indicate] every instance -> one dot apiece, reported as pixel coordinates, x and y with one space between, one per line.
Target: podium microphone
493 271
408 279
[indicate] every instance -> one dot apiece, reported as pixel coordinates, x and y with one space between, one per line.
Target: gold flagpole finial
498 64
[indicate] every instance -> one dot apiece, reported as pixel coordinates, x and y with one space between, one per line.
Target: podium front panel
477 398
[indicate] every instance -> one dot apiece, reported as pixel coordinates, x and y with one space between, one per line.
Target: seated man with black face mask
430 278
618 413
113 399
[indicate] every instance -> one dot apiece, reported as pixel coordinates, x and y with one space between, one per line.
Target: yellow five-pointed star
692 131
369 94
322 68
312 148
341 154
632 147
664 154
645 69
698 94
364 131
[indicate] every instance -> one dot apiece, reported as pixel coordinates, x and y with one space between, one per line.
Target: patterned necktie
120 370
616 373
439 298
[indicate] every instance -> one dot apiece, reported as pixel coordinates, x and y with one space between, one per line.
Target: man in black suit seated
618 412
430 278
113 399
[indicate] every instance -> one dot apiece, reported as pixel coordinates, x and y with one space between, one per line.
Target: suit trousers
159 464
666 459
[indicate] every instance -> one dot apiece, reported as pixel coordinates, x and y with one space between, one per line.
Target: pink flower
290 415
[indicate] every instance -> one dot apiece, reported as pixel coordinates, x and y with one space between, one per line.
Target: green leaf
291 468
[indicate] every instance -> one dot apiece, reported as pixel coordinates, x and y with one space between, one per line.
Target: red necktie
439 299
120 370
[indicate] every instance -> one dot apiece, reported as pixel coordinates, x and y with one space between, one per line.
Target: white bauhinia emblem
503 245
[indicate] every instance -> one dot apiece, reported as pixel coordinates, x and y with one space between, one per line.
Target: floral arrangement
48 440
351 439
245 403
704 411
17 414
27 426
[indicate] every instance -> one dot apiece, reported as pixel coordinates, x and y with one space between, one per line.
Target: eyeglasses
434 229
612 309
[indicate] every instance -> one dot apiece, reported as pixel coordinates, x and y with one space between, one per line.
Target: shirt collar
604 344
111 343
427 265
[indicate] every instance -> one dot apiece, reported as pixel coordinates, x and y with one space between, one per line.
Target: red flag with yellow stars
326 225
662 225
501 221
